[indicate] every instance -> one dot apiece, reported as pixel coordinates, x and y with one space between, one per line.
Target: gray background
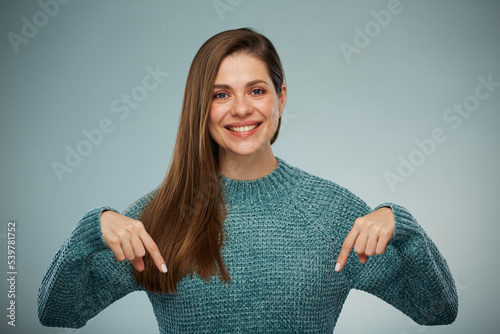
345 121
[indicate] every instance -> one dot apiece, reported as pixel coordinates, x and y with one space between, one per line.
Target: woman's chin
242 150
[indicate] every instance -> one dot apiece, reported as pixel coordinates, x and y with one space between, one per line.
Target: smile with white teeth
243 128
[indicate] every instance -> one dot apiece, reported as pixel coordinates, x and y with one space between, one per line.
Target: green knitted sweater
283 232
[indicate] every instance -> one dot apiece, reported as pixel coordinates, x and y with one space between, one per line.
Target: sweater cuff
86 237
405 224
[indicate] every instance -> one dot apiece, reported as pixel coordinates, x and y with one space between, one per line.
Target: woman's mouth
243 128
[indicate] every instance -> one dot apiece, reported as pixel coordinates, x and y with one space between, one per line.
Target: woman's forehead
241 68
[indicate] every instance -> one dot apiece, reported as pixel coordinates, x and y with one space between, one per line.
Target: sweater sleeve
411 275
84 277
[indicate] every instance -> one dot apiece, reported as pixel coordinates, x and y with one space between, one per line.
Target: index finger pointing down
152 249
346 249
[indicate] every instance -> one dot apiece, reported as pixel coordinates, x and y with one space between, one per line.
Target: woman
237 240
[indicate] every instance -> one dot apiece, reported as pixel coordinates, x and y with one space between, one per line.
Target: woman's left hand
369 235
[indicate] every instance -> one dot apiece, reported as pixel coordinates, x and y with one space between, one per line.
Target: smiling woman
244 116
237 240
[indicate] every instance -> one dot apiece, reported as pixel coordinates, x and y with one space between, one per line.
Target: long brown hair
185 217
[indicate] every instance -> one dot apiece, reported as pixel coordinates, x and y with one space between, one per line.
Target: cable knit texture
283 233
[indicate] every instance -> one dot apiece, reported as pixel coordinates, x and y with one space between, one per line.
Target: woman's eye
220 95
257 91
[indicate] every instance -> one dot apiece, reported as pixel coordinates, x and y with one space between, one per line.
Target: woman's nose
241 107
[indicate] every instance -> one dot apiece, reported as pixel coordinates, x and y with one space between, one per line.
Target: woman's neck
247 167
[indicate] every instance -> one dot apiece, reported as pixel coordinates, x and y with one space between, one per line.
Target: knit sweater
283 234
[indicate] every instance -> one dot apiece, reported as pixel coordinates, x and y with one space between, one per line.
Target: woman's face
245 107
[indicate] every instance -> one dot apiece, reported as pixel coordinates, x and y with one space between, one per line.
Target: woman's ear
282 98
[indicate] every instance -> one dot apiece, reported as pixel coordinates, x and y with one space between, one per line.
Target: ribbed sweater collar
271 187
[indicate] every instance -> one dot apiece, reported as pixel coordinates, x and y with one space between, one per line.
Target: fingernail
337 266
164 268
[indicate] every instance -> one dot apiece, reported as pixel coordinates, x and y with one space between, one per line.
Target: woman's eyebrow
254 82
248 84
221 86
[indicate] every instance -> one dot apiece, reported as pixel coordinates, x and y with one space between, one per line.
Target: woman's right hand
128 239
